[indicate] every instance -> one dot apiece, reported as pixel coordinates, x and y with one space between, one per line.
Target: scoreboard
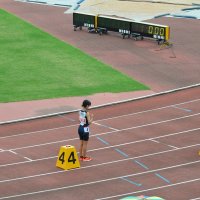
84 20
155 31
102 23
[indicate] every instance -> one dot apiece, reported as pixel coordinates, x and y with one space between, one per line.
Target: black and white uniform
83 129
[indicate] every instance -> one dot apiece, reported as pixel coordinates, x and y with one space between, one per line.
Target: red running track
142 147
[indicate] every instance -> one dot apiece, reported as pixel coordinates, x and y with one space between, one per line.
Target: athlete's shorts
83 133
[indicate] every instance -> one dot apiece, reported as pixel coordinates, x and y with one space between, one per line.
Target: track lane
151 157
111 183
100 172
37 167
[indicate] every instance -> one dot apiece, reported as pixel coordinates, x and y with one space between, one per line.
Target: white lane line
106 126
122 144
171 146
103 180
150 189
20 155
198 198
28 158
150 110
154 140
12 151
100 164
130 128
40 131
52 129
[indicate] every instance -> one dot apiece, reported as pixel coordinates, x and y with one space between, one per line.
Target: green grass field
36 65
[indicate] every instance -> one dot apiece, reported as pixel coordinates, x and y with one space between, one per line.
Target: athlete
85 119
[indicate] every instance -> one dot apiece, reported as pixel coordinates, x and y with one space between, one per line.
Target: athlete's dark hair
86 103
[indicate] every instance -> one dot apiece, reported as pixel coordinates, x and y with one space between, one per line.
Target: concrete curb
102 105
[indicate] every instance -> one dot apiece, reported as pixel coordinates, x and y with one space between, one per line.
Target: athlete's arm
89 117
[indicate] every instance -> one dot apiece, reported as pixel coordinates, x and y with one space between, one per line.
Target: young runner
85 119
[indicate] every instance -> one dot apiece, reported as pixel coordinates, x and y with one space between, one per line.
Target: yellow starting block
199 152
67 158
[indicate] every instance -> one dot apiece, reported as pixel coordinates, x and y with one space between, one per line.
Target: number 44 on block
67 158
